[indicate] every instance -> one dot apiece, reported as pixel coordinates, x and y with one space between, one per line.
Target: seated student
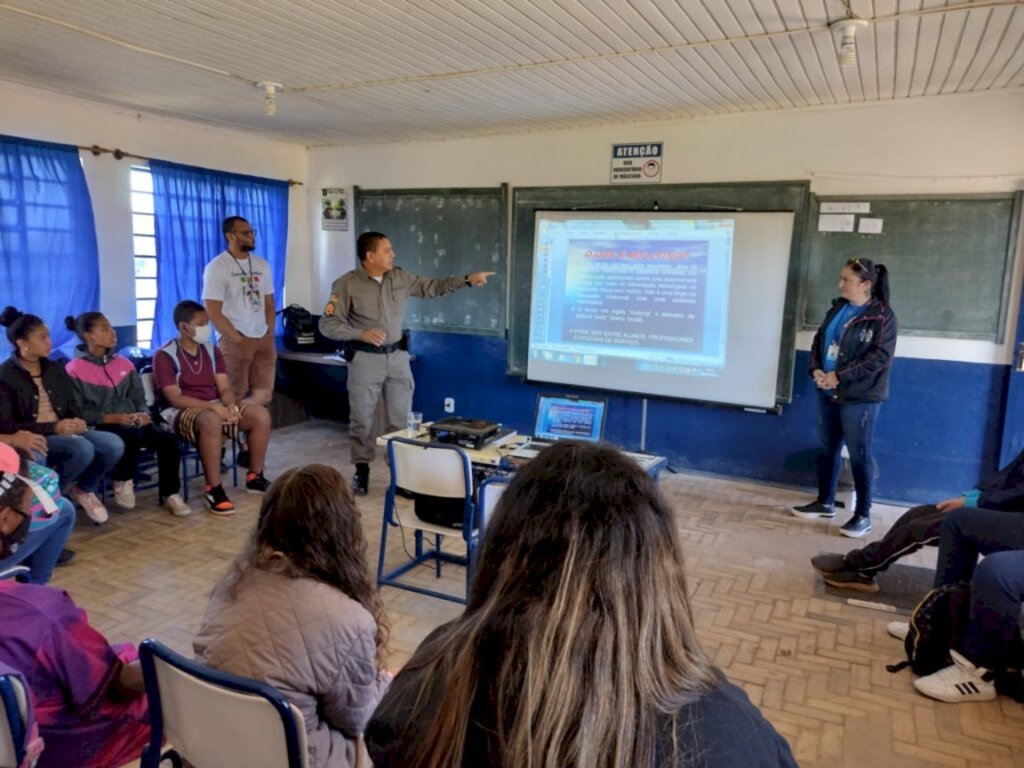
299 611
997 592
33 530
111 398
88 695
577 646
917 528
190 374
36 395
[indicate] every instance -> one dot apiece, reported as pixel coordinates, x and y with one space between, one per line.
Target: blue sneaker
813 511
856 526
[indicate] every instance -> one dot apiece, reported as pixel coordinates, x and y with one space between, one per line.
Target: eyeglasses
857 266
244 232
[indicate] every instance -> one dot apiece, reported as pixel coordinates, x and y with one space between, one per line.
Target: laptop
564 417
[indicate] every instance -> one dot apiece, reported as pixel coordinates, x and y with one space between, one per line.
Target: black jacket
19 398
866 349
1005 489
721 729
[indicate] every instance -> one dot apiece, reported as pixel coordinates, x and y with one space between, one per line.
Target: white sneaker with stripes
961 681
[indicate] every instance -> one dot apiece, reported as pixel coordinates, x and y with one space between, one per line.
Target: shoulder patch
329 309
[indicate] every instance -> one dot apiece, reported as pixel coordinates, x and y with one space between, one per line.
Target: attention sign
637 163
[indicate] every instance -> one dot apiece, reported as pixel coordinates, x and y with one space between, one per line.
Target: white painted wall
938 145
37 114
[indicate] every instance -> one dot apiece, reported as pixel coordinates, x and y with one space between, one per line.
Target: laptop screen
568 417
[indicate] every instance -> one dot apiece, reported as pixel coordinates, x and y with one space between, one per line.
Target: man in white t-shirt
238 292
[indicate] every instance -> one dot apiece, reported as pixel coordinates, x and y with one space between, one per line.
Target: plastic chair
188 451
433 469
19 738
216 719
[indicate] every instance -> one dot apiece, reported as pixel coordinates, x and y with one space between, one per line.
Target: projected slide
645 302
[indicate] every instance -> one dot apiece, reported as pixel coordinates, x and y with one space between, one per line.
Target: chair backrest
213 718
19 737
488 493
148 386
433 469
12 571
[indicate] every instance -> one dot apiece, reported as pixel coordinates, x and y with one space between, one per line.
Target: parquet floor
813 663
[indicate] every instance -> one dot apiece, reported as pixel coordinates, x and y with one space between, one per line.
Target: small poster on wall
334 209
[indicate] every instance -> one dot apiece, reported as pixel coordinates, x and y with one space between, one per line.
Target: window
144 232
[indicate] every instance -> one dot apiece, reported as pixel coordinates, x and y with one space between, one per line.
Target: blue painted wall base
936 436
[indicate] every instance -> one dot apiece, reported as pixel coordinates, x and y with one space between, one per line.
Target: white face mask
201 333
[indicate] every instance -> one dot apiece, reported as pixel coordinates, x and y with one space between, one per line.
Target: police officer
366 309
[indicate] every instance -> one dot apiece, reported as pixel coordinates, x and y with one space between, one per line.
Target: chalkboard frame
500 192
757 196
810 317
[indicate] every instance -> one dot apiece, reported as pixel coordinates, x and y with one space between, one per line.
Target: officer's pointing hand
479 278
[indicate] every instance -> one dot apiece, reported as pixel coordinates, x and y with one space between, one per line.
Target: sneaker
177 506
217 501
124 493
361 480
90 504
961 681
256 483
829 562
813 511
66 557
851 579
856 526
898 629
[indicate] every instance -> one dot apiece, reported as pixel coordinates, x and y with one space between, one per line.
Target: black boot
361 480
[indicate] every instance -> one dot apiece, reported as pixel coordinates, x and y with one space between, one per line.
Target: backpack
299 328
938 623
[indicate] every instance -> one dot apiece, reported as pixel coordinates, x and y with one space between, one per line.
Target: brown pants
251 363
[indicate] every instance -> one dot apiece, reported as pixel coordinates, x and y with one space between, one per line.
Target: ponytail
82 324
880 285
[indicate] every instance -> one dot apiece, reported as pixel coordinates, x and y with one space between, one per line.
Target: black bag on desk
299 328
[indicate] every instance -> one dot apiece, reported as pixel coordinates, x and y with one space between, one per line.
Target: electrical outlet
449 405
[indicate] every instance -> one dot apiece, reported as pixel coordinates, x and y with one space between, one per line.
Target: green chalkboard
444 232
753 196
950 261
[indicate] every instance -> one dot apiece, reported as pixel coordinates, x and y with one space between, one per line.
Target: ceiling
358 71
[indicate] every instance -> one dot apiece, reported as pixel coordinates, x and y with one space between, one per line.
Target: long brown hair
578 638
309 527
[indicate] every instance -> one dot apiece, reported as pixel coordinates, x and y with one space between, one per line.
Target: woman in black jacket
577 647
851 357
37 395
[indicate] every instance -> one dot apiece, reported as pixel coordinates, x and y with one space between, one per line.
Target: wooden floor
813 663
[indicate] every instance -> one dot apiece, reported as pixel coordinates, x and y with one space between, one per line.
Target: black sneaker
813 511
361 480
829 563
217 501
65 557
256 483
856 526
861 582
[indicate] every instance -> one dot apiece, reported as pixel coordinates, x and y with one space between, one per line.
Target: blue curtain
49 260
190 205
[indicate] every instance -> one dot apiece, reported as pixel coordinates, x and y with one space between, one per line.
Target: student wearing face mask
190 374
33 528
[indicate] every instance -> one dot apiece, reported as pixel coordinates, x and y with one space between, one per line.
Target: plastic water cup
413 423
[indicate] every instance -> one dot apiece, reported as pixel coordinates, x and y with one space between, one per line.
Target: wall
46 116
941 428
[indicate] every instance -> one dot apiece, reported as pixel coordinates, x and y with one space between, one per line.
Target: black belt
383 349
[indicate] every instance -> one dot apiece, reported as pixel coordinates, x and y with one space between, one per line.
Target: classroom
417 119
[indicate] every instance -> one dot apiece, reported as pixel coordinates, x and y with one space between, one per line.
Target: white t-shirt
242 285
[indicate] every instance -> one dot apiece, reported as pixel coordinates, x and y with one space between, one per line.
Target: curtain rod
120 154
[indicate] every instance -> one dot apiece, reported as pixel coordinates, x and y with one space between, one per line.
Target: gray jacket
358 302
311 642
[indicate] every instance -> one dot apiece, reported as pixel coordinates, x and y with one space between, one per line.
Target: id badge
833 351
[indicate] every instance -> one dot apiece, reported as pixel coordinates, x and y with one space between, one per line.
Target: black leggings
168 455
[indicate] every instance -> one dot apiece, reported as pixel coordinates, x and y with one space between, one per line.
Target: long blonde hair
577 646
